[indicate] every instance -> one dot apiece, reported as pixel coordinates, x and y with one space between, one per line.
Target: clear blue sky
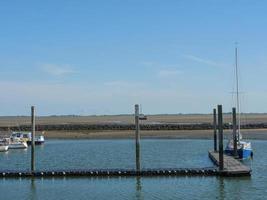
102 57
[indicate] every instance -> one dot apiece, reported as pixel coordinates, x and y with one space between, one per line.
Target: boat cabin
21 135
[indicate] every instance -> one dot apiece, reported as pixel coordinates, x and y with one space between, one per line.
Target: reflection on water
138 188
32 193
221 189
139 195
234 187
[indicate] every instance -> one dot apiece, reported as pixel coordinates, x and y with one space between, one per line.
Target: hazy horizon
74 115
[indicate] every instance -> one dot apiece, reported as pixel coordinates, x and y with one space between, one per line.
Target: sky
96 57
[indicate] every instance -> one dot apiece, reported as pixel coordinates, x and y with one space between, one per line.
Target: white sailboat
244 149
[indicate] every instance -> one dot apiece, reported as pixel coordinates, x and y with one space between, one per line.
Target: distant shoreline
19 121
126 122
189 126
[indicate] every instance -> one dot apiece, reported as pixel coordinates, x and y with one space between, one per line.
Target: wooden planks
232 167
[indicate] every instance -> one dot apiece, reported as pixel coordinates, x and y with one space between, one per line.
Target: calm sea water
156 153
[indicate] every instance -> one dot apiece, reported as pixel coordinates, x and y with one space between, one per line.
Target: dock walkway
232 167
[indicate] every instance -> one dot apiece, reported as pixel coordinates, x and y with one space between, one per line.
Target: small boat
15 143
141 115
27 137
3 147
244 149
38 140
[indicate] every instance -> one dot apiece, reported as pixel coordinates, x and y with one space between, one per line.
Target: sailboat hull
242 153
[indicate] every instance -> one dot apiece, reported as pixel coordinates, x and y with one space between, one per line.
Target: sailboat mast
237 92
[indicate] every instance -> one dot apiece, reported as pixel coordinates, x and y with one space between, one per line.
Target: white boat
17 145
14 143
26 137
244 149
39 139
3 147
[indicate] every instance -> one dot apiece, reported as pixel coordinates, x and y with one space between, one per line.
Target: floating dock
232 167
115 172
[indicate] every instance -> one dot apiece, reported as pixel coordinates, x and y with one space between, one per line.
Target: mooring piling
234 132
215 129
220 127
33 139
137 139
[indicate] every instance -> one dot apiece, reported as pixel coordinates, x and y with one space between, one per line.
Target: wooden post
234 132
33 139
137 139
215 129
220 127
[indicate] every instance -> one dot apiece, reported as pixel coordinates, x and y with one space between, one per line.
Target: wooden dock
232 167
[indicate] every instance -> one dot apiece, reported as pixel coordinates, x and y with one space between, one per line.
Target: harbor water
120 154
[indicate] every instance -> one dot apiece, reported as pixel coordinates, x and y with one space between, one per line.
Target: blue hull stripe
242 153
